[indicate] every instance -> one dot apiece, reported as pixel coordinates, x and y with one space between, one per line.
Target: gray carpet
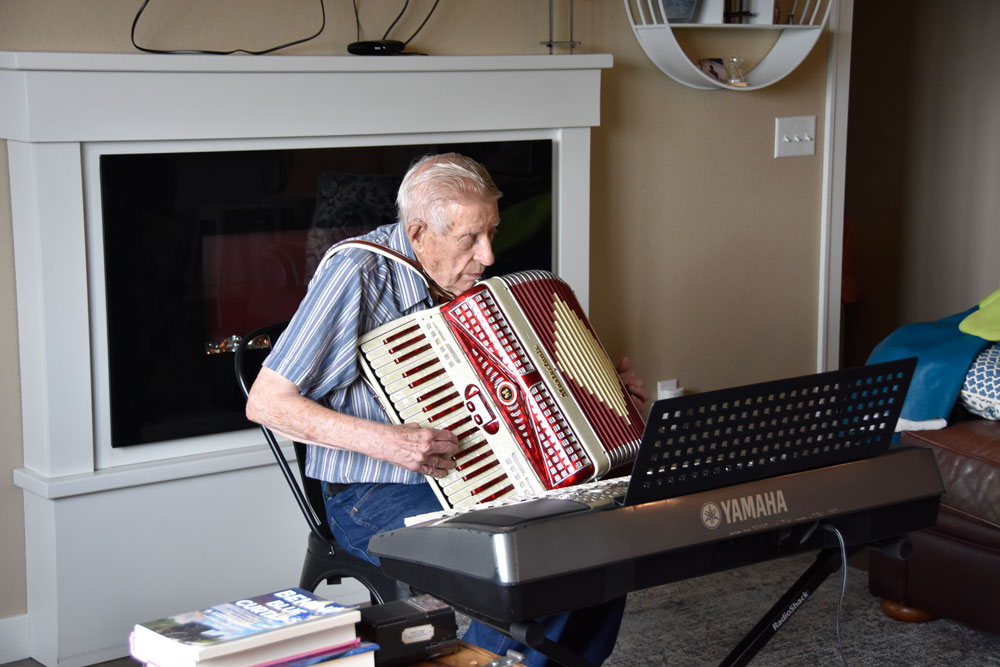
698 621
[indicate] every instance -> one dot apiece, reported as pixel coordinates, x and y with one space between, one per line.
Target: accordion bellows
514 369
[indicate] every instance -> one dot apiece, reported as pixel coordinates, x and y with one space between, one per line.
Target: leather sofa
954 571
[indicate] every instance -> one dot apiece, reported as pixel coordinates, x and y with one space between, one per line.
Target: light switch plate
795 136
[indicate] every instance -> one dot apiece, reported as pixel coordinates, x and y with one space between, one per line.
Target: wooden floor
121 662
468 656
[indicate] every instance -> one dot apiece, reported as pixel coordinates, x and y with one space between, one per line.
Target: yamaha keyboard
521 561
722 479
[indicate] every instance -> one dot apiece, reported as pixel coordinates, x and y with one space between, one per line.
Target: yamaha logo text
744 508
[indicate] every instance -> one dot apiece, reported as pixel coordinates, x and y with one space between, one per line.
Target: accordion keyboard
417 385
594 494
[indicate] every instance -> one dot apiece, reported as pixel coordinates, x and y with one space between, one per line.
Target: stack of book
288 628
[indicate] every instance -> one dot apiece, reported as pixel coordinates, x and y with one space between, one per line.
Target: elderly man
310 389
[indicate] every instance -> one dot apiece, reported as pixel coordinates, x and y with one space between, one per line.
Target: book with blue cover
266 629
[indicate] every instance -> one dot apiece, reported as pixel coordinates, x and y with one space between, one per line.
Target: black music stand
719 438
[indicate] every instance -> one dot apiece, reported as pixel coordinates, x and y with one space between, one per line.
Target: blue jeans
362 510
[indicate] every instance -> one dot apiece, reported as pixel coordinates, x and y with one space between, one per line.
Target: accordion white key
514 369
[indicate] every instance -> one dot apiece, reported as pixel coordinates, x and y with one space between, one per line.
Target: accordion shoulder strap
437 292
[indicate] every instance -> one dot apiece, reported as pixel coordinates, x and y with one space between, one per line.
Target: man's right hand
276 403
428 451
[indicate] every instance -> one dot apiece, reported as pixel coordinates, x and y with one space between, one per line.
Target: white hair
436 181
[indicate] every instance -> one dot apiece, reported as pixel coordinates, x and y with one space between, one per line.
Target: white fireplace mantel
104 97
146 533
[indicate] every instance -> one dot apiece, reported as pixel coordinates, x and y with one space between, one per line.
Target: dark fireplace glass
202 248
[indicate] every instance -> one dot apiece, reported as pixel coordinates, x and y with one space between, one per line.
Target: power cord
142 8
421 26
843 586
398 16
357 21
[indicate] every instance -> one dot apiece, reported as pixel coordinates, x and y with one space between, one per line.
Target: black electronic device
376 47
409 630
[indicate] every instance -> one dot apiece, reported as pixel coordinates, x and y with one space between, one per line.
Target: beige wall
923 158
704 248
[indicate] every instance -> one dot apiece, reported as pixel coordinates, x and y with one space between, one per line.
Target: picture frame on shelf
715 68
679 11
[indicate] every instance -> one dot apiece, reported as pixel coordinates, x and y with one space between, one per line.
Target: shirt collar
411 289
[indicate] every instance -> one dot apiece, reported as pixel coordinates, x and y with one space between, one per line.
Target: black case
409 630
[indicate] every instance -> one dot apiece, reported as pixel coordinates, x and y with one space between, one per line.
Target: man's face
456 259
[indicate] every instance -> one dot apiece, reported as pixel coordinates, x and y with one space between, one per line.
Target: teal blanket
944 355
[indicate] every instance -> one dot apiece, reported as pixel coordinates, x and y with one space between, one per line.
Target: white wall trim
13 638
831 248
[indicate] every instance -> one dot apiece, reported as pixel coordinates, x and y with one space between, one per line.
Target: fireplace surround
116 535
201 247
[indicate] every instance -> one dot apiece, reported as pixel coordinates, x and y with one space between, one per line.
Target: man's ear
415 231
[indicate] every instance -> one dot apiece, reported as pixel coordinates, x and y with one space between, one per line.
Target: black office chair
325 559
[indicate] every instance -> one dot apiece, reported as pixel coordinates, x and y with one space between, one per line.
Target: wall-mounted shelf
655 33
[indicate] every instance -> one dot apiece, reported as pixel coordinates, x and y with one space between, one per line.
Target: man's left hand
632 382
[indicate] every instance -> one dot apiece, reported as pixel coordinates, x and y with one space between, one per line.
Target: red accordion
514 369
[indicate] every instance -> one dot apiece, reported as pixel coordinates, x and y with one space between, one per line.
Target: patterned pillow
981 392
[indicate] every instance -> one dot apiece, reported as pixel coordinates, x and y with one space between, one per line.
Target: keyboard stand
827 561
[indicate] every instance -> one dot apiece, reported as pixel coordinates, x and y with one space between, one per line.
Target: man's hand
276 403
428 451
632 382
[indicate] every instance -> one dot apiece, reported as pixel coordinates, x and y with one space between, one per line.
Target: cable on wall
142 8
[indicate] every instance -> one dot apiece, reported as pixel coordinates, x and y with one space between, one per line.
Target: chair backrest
309 494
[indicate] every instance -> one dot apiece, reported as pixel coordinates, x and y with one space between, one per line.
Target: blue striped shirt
351 293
